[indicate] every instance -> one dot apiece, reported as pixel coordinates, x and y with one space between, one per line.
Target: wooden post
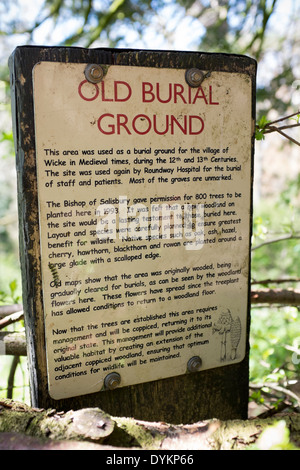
188 380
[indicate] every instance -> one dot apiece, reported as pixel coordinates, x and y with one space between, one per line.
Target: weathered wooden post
135 202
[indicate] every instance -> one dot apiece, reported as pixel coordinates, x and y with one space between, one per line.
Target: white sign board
144 189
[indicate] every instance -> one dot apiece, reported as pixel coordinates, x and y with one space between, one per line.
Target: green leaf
259 135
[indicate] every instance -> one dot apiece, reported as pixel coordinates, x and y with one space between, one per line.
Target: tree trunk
14 343
276 296
22 427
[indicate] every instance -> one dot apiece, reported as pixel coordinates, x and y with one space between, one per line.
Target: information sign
144 191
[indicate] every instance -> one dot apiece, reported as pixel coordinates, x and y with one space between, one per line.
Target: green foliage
13 288
273 230
21 386
260 128
289 197
6 137
274 330
275 437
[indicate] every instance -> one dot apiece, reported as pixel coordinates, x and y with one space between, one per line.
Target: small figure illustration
225 325
235 336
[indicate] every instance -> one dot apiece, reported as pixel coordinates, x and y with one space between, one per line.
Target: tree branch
290 236
13 343
289 116
9 309
31 428
9 319
11 376
90 424
276 296
277 388
269 127
275 281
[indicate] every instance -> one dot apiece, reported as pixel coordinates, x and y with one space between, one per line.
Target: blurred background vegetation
267 30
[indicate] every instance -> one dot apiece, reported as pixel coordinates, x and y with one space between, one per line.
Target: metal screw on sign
94 73
112 381
194 364
194 77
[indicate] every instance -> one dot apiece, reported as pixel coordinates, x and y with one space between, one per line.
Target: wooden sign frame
219 392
